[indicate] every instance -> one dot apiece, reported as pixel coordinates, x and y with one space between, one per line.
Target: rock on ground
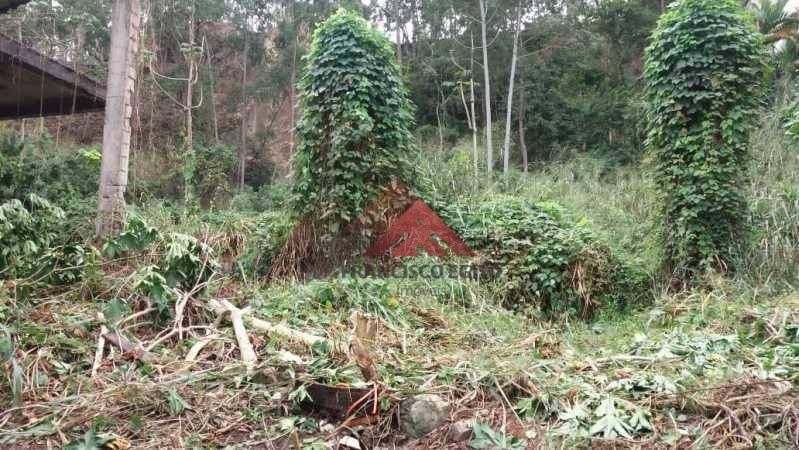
460 431
422 414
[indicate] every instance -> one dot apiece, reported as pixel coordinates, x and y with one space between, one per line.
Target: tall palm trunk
116 130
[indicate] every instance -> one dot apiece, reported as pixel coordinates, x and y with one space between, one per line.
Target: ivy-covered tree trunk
354 137
703 72
116 130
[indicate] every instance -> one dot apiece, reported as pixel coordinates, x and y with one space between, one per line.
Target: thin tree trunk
212 79
471 106
293 95
520 115
19 38
486 90
190 85
509 107
116 130
188 194
243 137
399 32
80 37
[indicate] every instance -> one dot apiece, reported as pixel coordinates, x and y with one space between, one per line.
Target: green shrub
68 179
208 173
27 231
354 134
270 234
372 295
704 70
546 259
181 261
266 197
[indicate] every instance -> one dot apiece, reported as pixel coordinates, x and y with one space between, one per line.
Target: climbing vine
703 71
354 134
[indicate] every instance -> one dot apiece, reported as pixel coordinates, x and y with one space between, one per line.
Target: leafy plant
187 261
92 440
371 295
608 421
268 238
542 255
15 373
137 235
703 72
207 171
27 231
177 404
354 134
487 437
151 282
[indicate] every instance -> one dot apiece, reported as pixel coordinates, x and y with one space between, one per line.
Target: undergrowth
712 367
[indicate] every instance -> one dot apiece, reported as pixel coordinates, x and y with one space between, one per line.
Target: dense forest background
577 84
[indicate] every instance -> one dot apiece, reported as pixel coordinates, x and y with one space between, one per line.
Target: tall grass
618 201
769 262
621 202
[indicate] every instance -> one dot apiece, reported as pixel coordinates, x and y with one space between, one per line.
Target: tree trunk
520 115
243 137
188 194
190 86
486 90
293 95
399 32
509 107
439 125
473 125
212 81
116 130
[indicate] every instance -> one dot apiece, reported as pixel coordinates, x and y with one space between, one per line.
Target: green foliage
7 357
137 235
703 69
187 261
487 437
372 295
266 197
184 262
36 166
67 178
545 258
354 134
151 283
27 231
92 440
271 232
207 171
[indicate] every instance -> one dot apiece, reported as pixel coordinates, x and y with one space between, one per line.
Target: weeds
714 367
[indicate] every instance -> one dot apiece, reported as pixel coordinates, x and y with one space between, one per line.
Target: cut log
245 347
224 306
362 343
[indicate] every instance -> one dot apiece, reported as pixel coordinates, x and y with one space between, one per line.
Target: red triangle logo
415 229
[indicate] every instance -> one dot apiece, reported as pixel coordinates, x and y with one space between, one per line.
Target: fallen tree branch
245 347
224 306
128 347
98 354
198 346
